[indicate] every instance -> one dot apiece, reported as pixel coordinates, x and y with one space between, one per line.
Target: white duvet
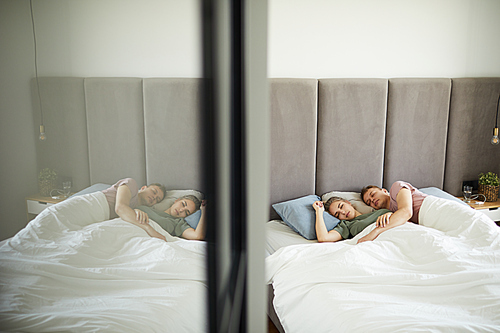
66 271
441 277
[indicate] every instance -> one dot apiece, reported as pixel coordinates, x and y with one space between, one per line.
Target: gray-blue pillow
193 219
300 215
91 189
440 194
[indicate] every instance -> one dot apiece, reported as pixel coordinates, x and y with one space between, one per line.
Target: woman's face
343 210
182 208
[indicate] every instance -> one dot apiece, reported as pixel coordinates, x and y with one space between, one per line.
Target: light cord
36 65
496 118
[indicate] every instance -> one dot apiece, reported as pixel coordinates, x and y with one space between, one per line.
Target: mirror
118 94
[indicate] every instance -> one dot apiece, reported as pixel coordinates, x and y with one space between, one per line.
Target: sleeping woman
172 219
351 222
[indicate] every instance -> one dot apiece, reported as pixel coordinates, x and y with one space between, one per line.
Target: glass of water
66 188
467 193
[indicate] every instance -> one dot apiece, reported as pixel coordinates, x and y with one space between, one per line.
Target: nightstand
36 203
490 209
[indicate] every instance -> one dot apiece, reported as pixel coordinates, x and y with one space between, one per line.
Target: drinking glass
66 188
467 193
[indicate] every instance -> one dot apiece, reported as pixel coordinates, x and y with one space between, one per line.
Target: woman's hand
383 220
141 216
319 207
203 206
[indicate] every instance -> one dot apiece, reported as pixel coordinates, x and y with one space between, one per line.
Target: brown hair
162 188
329 202
365 189
193 198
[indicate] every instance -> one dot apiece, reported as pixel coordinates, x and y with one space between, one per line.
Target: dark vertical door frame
226 303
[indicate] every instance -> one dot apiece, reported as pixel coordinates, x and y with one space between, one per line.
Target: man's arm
399 217
322 233
199 232
122 208
136 217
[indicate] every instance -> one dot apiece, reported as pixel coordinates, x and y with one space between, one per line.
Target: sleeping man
124 196
403 200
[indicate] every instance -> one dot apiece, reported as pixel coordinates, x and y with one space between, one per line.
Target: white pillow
353 197
173 195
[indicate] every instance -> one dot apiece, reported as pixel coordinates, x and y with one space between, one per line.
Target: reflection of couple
132 204
393 208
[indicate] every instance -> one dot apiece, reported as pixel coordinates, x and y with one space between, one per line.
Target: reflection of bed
71 269
343 134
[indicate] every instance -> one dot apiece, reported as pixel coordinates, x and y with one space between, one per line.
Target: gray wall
17 138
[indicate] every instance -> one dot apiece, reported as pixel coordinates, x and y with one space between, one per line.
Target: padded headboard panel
100 130
173 132
351 133
293 138
115 125
417 123
472 118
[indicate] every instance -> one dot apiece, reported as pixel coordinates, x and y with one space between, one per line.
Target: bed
442 275
338 135
72 269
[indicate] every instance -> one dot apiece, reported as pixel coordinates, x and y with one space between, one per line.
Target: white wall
307 38
384 38
136 38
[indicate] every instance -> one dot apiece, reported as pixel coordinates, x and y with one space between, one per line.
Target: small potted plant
488 185
47 181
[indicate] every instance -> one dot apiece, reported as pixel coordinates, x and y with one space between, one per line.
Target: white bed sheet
279 235
68 272
441 277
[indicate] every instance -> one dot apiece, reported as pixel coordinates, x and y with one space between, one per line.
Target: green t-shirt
350 228
175 226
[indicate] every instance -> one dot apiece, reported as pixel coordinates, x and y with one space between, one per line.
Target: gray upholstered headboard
100 130
326 134
343 134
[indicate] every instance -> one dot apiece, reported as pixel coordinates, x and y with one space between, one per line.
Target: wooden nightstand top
486 205
39 197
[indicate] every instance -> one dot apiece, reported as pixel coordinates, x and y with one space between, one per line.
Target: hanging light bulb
42 136
494 139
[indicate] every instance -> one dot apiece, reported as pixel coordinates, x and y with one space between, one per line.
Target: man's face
377 198
150 195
